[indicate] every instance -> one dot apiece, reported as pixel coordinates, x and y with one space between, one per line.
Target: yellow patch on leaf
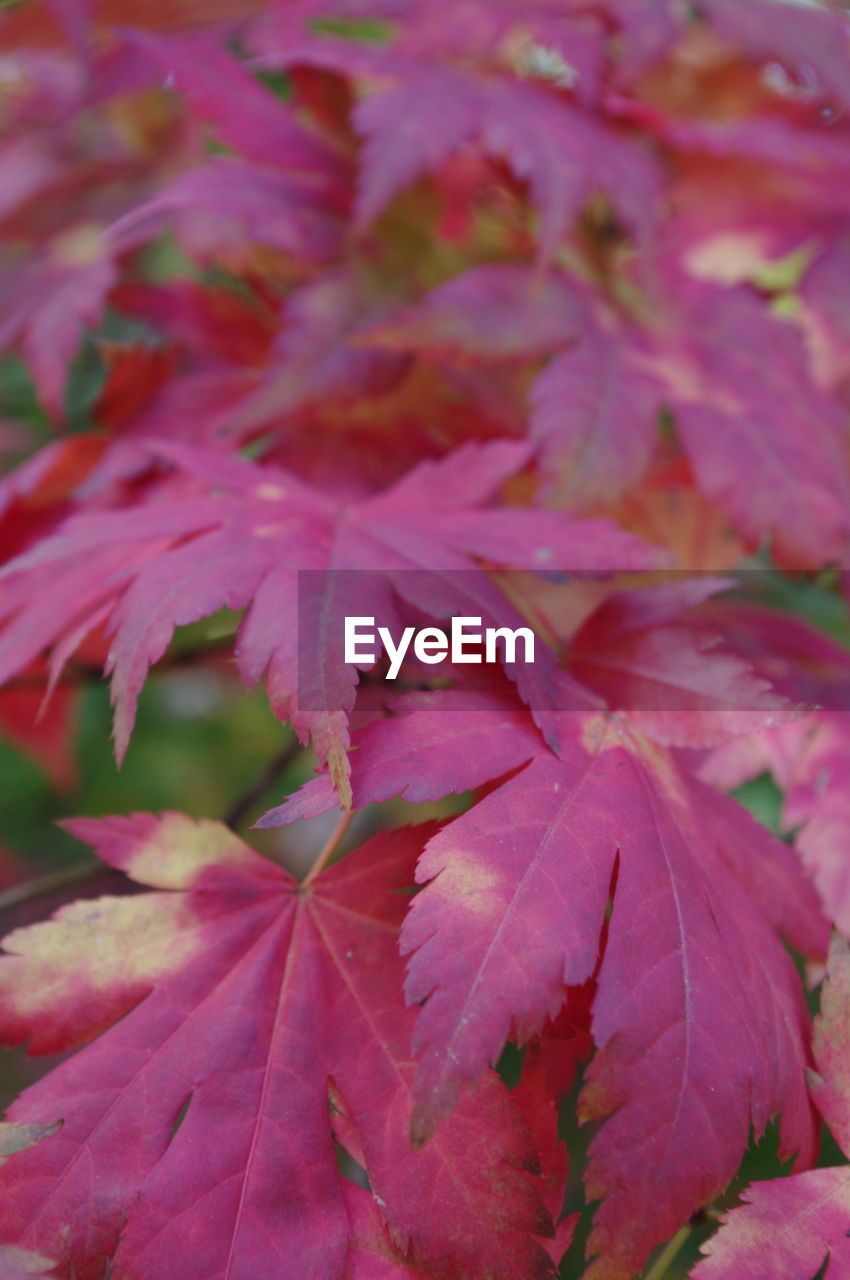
181 847
96 945
19 1137
471 883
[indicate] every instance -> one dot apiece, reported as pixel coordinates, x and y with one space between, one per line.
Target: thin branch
669 1254
252 795
49 883
329 848
82 871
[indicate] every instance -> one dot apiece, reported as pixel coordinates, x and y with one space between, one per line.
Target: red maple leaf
245 545
793 1228
406 136
514 908
808 759
391 307
231 1121
514 905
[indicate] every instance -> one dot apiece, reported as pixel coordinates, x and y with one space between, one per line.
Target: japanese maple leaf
515 899
540 40
229 205
435 745
246 544
493 312
317 355
514 905
564 153
235 1007
595 412
804 40
244 113
809 761
492 32
763 440
794 1228
595 416
802 159
638 653
799 660
677 681
47 305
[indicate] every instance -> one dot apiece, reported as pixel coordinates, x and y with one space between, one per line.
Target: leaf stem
669 1254
329 848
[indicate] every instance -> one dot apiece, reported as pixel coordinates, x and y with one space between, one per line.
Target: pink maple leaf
214 1130
793 1228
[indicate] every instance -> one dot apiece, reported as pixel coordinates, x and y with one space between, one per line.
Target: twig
244 803
669 1254
47 884
329 848
82 871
